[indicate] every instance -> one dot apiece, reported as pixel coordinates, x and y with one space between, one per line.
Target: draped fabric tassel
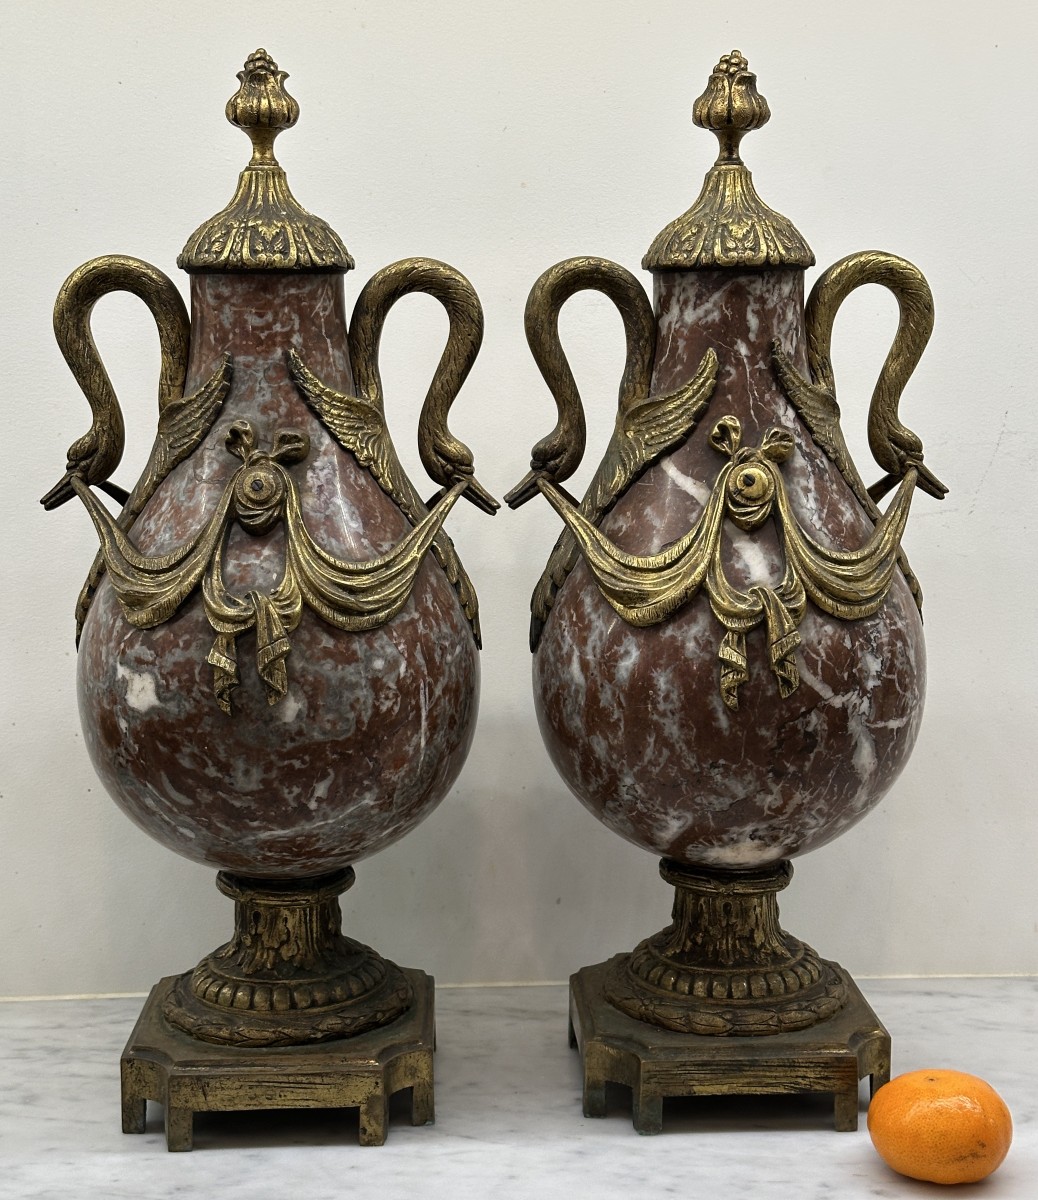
734 670
272 647
783 640
223 657
348 594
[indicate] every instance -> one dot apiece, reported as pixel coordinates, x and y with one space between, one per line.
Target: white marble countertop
509 1121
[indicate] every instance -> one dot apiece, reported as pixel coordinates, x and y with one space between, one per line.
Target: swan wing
645 430
184 423
359 426
818 408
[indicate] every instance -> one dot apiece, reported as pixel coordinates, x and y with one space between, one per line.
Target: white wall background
503 137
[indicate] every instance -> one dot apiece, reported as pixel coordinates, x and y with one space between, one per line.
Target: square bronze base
831 1056
187 1075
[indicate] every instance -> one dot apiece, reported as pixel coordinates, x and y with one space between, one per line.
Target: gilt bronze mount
723 1002
724 966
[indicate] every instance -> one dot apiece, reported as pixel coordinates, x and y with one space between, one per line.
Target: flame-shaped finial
731 106
264 228
261 106
729 225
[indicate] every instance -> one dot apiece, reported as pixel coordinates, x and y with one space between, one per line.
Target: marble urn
728 661
278 646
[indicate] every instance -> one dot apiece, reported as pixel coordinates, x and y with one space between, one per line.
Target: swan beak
474 492
925 479
478 495
60 492
929 482
524 490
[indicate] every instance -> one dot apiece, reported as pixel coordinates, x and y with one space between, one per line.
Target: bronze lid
729 225
264 228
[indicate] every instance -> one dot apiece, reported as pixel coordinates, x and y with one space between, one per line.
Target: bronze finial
261 106
729 225
264 228
731 105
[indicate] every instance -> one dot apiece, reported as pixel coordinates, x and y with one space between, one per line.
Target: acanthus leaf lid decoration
729 225
264 228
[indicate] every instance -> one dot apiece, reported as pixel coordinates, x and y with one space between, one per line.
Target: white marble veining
508 1122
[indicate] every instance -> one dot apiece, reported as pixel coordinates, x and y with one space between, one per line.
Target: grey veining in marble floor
508 1122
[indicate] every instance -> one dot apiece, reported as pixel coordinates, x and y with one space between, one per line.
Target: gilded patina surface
725 966
647 425
288 976
259 495
647 589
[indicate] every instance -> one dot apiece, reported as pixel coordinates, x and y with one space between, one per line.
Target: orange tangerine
941 1126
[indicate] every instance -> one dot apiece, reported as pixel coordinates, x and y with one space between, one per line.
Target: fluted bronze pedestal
725 965
288 975
723 1002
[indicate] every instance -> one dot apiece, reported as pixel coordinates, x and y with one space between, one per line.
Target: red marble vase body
633 718
375 725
